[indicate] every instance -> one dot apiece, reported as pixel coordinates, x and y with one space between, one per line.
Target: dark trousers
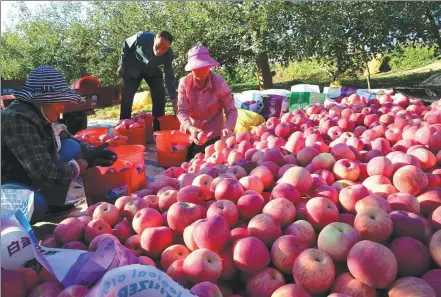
194 149
130 87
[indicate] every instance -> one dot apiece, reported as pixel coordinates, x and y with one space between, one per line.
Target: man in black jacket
142 54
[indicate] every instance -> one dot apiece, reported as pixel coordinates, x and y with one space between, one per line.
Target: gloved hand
99 156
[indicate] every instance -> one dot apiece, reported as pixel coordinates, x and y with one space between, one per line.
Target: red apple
123 230
206 289
13 285
314 270
347 285
228 189
133 206
337 239
435 247
282 210
182 214
146 218
321 212
167 199
410 179
412 256
411 286
96 227
265 283
250 255
204 230
373 224
70 229
377 274
46 289
155 240
74 291
108 212
346 169
225 208
264 227
304 231
203 265
291 290
173 253
285 250
403 201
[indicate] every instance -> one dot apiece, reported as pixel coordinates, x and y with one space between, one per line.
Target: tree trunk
368 77
263 71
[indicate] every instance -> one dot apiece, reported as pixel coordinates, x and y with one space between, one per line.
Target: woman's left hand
226 133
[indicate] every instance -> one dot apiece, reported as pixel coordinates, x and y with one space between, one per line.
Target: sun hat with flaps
46 85
199 57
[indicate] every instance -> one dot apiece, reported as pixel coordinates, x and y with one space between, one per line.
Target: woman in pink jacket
203 99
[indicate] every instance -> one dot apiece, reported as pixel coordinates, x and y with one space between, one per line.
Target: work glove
100 156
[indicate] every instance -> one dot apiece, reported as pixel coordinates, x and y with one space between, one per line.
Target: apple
167 199
435 218
350 195
412 256
13 285
123 230
410 224
203 233
250 255
265 282
182 214
282 210
133 206
252 183
373 223
188 236
346 169
144 260
285 250
404 201
177 273
108 212
121 202
291 290
74 291
336 239
321 212
225 208
348 285
298 177
250 205
314 270
228 189
206 289
237 171
265 175
192 194
302 230
96 227
70 229
435 247
84 220
155 240
75 245
429 200
264 227
203 265
146 218
286 191
372 200
377 274
411 286
410 179
433 278
173 253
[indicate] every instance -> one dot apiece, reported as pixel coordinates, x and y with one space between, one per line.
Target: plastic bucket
171 147
135 136
93 132
169 122
102 185
135 155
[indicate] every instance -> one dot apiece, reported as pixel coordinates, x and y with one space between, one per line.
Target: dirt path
432 67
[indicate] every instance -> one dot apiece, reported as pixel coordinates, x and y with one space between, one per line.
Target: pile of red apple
137 121
113 141
335 200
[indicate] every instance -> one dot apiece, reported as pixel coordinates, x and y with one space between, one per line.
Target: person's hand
100 156
175 106
121 70
226 133
194 133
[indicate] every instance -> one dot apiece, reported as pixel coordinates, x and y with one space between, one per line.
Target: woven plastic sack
250 100
246 120
142 101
